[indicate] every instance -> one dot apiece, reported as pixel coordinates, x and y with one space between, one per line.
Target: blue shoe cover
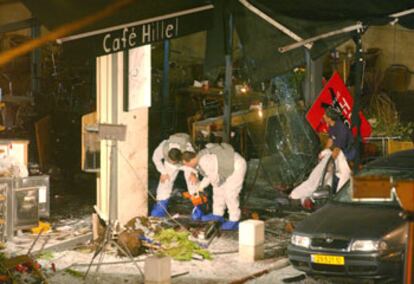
230 226
197 214
212 217
160 209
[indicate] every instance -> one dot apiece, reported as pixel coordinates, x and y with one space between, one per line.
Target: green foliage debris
178 245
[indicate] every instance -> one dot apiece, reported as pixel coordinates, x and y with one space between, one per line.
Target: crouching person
224 169
342 172
167 159
339 147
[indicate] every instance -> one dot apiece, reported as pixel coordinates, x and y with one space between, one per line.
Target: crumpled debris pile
162 237
19 263
23 269
177 245
77 226
67 228
47 235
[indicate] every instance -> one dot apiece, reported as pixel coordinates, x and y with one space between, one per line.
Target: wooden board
371 187
405 192
43 141
237 118
87 120
397 146
217 93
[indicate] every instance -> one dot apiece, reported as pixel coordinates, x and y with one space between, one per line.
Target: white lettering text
108 36
132 37
116 44
146 33
168 31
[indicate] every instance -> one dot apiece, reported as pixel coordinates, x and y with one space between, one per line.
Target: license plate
328 259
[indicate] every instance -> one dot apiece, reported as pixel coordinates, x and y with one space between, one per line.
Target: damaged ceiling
260 40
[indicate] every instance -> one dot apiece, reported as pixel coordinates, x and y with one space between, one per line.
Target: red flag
335 94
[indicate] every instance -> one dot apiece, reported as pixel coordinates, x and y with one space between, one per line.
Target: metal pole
165 101
308 79
113 195
228 84
356 27
273 22
356 121
289 47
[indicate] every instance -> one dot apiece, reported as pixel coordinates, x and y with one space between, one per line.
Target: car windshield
344 195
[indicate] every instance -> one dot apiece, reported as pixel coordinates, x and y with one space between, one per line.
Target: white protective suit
309 186
164 167
226 194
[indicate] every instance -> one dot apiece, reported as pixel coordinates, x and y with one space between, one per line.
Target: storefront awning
139 23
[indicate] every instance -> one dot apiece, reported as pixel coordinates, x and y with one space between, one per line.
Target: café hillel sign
142 32
140 35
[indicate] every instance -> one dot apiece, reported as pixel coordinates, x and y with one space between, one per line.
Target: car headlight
368 245
300 241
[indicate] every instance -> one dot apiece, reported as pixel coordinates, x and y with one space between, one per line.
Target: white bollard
251 240
157 270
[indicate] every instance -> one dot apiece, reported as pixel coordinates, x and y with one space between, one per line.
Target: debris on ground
19 269
165 237
294 279
131 241
289 227
177 245
43 227
184 240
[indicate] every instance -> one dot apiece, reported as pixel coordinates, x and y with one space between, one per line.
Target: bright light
259 108
300 241
368 245
243 89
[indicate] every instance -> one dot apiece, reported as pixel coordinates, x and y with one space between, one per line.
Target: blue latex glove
197 214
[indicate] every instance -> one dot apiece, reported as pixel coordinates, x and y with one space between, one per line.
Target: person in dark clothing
339 147
340 136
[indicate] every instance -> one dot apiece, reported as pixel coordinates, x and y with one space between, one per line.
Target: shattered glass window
290 147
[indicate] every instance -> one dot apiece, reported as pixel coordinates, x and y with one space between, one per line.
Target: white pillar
131 155
251 240
157 270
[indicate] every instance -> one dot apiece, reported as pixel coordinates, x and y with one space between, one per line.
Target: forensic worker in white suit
225 170
167 159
